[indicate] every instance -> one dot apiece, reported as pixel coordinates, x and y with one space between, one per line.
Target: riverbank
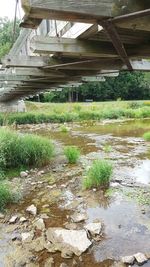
74 112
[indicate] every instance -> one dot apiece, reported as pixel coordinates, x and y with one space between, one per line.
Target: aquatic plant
146 136
72 154
107 148
98 175
23 149
63 129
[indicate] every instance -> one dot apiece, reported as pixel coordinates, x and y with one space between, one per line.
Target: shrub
98 175
146 136
72 154
134 105
6 196
23 150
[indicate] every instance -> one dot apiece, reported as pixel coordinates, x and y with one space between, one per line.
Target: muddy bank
123 210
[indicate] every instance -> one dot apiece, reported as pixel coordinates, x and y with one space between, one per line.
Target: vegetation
6 35
146 136
98 175
72 154
63 129
68 112
6 196
23 150
127 86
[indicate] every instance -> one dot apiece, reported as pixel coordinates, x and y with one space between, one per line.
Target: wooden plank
35 72
49 45
25 61
15 50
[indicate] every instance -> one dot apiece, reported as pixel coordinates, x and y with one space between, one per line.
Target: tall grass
98 175
72 154
23 150
146 136
6 196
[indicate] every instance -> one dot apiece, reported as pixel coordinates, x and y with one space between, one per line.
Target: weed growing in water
6 196
72 154
64 129
146 136
107 148
98 175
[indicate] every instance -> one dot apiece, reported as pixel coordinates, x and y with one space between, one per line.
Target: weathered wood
15 50
35 72
25 61
49 45
93 79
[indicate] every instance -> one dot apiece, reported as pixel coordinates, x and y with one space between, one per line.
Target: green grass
6 196
26 150
72 154
63 129
69 112
98 175
146 136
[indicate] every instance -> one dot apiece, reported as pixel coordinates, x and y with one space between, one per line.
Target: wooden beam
35 72
25 61
113 35
49 45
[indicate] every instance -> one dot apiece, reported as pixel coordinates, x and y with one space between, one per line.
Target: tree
6 35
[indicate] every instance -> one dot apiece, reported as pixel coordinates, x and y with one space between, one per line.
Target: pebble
128 259
23 174
23 219
2 216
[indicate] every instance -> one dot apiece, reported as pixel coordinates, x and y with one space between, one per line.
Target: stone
93 228
23 219
79 217
71 240
38 244
32 209
71 226
140 258
67 254
13 219
39 224
2 216
27 237
128 259
23 174
63 264
49 262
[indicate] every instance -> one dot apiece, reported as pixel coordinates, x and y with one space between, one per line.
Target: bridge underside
96 38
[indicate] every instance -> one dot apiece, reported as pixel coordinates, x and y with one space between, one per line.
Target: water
126 230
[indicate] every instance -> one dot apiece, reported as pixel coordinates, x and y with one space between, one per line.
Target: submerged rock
32 209
39 224
75 241
93 228
79 217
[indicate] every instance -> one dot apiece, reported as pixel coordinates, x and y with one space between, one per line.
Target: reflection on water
142 172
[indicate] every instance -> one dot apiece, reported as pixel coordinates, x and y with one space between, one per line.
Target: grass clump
146 136
63 129
23 150
6 196
72 154
98 175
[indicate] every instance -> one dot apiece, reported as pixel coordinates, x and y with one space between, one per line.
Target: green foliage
146 136
24 150
6 196
135 105
107 148
72 154
98 175
63 129
6 35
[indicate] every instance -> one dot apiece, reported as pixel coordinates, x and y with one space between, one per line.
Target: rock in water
13 219
140 258
32 210
94 228
73 240
39 224
128 259
79 217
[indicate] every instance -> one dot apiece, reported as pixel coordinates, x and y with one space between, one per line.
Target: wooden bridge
73 41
